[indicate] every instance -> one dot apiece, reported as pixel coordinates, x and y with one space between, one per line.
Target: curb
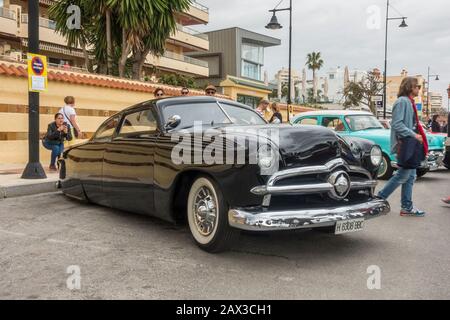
15 191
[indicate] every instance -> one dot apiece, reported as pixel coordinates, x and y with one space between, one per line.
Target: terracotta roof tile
20 70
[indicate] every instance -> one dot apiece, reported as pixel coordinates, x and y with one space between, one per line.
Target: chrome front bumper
434 161
265 220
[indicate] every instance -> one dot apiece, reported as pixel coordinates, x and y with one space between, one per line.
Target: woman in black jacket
435 126
57 132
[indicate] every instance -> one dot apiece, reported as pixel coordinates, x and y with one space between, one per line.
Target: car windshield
210 114
242 116
363 122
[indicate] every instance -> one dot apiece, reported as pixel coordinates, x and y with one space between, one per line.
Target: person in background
159 93
444 128
210 91
57 132
405 124
435 126
70 117
262 108
185 92
277 118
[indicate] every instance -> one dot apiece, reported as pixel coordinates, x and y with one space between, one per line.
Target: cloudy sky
339 30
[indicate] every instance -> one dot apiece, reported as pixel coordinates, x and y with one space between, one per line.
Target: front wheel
421 172
386 170
208 216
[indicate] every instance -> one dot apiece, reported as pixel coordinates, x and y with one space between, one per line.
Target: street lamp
275 25
402 25
34 169
428 89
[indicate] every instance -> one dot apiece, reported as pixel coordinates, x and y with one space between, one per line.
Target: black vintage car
303 178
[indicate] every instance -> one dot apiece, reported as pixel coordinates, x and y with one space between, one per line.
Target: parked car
365 125
323 182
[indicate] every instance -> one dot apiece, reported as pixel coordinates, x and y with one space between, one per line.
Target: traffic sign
37 73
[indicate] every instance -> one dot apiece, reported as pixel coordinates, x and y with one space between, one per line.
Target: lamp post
34 169
428 89
274 25
402 25
448 100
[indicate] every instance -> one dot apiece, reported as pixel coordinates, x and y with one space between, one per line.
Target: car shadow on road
263 247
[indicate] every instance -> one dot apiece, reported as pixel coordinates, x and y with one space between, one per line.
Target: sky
348 33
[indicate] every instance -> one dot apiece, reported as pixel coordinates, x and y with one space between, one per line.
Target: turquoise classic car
365 125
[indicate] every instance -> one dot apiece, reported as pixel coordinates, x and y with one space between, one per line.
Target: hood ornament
340 180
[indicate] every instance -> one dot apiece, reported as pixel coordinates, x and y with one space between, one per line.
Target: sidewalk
11 185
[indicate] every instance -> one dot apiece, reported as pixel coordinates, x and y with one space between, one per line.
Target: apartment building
236 61
14 43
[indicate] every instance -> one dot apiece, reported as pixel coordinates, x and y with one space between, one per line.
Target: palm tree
134 28
314 62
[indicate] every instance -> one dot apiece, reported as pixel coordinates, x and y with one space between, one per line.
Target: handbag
410 153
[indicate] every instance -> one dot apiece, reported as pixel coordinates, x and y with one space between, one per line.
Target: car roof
161 103
333 113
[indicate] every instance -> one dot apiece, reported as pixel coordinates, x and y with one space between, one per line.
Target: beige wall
13 91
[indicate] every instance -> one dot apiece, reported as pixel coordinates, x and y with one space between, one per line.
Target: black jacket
435 126
54 136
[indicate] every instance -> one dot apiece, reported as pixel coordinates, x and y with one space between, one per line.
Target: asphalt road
125 256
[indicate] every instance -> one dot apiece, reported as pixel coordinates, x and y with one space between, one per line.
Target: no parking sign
37 73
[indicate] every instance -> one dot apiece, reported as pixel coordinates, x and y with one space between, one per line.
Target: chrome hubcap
205 211
383 168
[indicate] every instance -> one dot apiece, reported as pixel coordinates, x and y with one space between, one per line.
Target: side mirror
173 122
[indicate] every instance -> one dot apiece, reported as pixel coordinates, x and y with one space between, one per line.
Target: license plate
349 226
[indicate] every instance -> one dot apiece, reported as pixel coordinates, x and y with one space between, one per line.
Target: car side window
308 121
333 123
138 123
107 130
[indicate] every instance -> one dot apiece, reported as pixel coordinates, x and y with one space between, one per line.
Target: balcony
177 62
47 31
196 14
8 21
190 38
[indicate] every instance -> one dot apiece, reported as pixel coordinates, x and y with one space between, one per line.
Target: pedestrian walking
277 118
159 93
210 91
57 133
70 117
409 143
262 108
185 92
447 200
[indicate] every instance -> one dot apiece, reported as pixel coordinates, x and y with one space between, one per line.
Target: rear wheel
208 216
386 170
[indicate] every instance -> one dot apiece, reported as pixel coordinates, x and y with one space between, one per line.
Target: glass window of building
252 60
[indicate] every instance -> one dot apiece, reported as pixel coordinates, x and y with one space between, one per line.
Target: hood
434 141
298 145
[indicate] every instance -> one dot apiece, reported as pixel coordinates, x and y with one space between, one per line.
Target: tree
134 27
361 93
314 62
178 80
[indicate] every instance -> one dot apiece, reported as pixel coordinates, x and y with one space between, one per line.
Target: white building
436 100
336 82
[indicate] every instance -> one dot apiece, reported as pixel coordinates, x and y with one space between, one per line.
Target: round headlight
376 156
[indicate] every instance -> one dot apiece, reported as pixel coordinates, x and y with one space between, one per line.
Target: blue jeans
406 179
57 150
